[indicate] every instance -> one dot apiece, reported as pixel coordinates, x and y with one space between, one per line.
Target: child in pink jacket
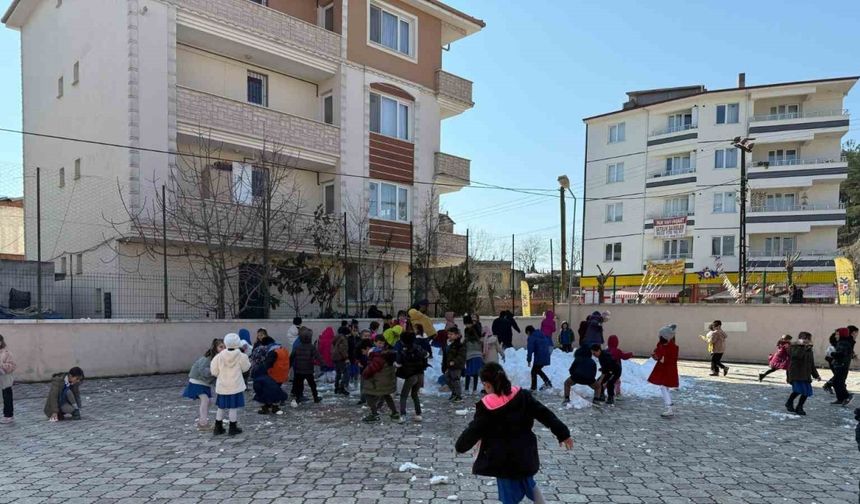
618 355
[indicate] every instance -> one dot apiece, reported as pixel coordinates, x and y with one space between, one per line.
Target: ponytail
494 374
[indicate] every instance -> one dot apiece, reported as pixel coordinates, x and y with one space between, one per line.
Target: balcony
674 133
247 30
771 128
671 179
794 218
454 93
777 173
252 126
776 259
451 171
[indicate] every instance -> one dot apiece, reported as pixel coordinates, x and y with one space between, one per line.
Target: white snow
453 497
439 480
409 466
462 412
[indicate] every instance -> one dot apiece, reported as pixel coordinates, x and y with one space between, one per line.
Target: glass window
615 173
728 113
328 109
676 249
723 246
328 198
328 17
79 259
404 37
257 92
726 158
389 117
614 212
677 165
616 133
373 204
402 204
391 30
243 183
403 121
724 202
612 252
375 24
719 158
389 201
62 177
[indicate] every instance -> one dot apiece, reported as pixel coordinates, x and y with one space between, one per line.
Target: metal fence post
39 242
164 247
71 288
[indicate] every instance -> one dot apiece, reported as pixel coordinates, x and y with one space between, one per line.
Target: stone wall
452 166
454 87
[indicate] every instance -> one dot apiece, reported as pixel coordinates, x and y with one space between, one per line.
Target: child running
801 372
227 367
780 359
411 363
7 367
474 357
200 381
665 373
378 379
502 427
539 346
716 339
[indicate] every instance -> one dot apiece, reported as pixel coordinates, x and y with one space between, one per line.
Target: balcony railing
671 173
783 253
453 87
675 129
671 215
797 208
670 257
253 17
796 162
205 110
453 167
800 115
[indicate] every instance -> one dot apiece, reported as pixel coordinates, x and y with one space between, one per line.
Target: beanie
843 333
667 332
232 341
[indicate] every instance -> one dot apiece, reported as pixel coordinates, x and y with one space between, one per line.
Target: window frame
670 160
324 9
399 105
724 165
401 16
325 199
776 115
79 264
722 198
722 245
76 174
612 252
76 73
323 98
677 244
613 171
616 215
726 107
618 137
264 91
376 213
60 87
244 183
62 177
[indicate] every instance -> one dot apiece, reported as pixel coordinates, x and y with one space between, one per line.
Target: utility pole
513 276
164 249
39 242
743 145
563 236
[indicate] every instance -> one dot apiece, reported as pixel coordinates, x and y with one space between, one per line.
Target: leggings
411 386
232 414
8 408
474 381
203 413
667 396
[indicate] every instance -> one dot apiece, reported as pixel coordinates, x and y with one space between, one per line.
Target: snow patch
409 466
439 480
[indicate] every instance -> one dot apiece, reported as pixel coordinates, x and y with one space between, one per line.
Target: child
411 363
402 318
269 375
361 361
293 332
780 359
454 361
340 358
716 339
492 347
227 367
392 335
665 373
7 367
422 339
325 347
474 357
582 371
610 371
565 338
200 381
304 356
540 347
828 357
547 325
64 398
842 362
503 425
374 330
378 380
594 330
618 355
800 373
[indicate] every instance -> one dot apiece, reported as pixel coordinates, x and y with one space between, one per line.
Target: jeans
375 401
716 362
299 385
341 376
68 404
537 370
453 378
609 383
840 375
411 386
8 409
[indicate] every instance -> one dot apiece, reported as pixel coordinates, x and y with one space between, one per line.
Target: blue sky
540 66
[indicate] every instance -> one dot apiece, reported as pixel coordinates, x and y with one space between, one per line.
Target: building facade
662 183
349 94
12 229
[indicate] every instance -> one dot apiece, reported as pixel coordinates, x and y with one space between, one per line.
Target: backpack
280 370
414 361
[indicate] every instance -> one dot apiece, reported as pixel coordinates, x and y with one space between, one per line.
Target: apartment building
12 229
662 182
350 93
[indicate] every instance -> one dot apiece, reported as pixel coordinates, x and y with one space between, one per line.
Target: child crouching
200 381
227 367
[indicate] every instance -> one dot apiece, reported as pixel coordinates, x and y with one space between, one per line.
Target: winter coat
547 325
565 337
593 332
503 425
582 330
781 359
540 347
504 328
616 353
492 349
7 367
665 372
304 356
802 366
844 354
474 348
340 349
608 364
58 383
258 357
392 335
455 356
378 377
418 317
201 373
352 346
583 365
717 340
227 367
411 359
325 342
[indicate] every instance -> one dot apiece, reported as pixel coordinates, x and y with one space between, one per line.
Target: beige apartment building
215 98
12 229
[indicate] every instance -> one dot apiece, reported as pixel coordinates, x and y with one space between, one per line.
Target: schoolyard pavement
730 442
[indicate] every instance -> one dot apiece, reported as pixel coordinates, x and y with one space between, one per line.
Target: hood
612 342
843 333
582 352
327 334
549 315
495 401
306 338
231 356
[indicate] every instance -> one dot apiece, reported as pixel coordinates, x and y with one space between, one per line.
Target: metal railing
809 207
796 162
670 215
800 115
670 257
671 173
674 129
803 253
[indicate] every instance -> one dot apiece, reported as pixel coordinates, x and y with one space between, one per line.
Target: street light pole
563 238
744 145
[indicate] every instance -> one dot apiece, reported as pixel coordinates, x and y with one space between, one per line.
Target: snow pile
409 466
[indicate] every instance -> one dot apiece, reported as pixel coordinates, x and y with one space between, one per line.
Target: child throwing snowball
665 373
227 367
200 381
502 427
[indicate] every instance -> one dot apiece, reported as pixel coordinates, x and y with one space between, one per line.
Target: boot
761 377
789 405
234 429
725 371
264 410
610 401
669 413
799 409
219 428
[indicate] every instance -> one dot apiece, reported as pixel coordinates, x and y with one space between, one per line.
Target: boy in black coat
610 371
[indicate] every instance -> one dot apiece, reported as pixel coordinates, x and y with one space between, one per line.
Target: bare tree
529 252
368 262
425 248
789 262
602 278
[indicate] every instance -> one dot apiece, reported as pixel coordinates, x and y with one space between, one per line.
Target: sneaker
264 411
846 402
725 371
317 400
417 419
8 420
799 411
457 399
610 401
370 418
546 386
668 413
294 404
76 415
203 426
397 418
565 401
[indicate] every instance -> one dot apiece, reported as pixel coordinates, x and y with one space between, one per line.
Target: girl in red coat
665 373
780 359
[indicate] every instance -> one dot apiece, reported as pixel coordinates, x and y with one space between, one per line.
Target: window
780 202
677 165
60 87
77 173
261 2
258 88
328 108
63 265
780 112
676 207
76 72
726 158
392 30
389 201
781 157
614 212
727 113
723 245
327 17
616 133
612 252
677 249
370 282
724 202
389 117
62 177
248 183
328 198
79 266
680 122
615 173
779 245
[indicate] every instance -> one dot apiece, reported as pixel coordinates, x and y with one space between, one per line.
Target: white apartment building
668 154
352 92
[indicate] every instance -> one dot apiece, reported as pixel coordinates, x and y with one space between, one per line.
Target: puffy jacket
492 349
7 367
392 335
58 383
378 377
503 425
539 347
325 343
802 367
547 325
340 349
200 373
844 353
583 365
412 360
227 367
565 337
455 356
594 331
614 351
717 339
304 355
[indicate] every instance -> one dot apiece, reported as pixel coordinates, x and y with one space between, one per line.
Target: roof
724 90
10 10
457 13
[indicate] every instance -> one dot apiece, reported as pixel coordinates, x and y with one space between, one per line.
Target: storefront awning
663 292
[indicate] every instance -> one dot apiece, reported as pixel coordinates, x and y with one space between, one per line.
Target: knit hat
667 332
843 333
232 341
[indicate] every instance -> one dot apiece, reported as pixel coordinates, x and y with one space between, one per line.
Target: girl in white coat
227 367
